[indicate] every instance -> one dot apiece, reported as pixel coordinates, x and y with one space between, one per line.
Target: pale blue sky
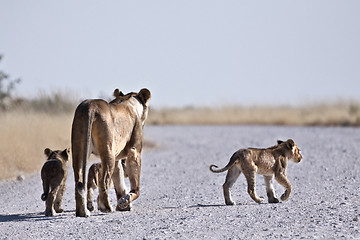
186 52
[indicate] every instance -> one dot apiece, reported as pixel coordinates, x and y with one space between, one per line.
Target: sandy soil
181 199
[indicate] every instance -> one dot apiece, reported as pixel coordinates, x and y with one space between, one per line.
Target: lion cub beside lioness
53 175
93 181
267 162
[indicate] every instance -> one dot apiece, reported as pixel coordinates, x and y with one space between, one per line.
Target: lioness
112 131
53 175
267 162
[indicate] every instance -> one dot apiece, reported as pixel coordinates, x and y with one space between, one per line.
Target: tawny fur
93 182
113 131
53 175
268 162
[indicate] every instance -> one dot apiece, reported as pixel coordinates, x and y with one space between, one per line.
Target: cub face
294 153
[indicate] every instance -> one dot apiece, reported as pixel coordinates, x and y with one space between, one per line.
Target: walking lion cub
53 175
267 162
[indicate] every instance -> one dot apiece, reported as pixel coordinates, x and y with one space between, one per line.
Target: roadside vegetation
28 126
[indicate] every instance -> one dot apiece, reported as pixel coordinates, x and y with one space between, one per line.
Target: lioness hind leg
251 181
231 177
81 210
270 190
118 179
107 167
133 167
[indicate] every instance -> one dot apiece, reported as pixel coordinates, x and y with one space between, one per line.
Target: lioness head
294 153
143 97
57 154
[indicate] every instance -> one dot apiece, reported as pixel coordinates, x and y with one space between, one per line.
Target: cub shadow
31 217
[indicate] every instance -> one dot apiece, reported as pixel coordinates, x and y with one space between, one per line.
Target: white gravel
181 199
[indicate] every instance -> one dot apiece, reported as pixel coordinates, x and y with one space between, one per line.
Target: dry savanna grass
337 114
23 138
25 134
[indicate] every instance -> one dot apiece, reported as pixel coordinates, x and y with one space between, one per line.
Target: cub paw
284 197
60 210
273 200
90 206
259 200
50 213
230 203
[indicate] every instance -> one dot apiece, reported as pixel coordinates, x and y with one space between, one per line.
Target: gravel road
181 199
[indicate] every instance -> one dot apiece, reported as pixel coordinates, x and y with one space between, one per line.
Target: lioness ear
279 142
47 152
290 143
144 95
65 153
118 93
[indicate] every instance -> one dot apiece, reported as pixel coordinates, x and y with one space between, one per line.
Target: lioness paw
124 203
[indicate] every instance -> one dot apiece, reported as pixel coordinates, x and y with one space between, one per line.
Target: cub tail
44 196
232 161
46 189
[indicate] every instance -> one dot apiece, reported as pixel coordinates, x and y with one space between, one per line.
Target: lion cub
267 162
93 181
53 175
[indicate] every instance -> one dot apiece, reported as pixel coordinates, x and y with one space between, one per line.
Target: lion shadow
31 217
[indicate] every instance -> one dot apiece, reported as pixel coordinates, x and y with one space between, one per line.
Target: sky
187 53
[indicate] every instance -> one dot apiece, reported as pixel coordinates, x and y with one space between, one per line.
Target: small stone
20 177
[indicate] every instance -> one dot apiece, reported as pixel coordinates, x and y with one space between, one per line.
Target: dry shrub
24 136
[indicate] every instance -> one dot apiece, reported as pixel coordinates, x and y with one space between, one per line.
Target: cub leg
133 167
50 211
282 180
59 197
270 189
251 181
118 179
93 177
107 167
231 177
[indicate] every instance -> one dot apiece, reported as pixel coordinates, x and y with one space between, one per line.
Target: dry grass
338 114
24 136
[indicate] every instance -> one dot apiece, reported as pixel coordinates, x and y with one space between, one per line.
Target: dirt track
181 199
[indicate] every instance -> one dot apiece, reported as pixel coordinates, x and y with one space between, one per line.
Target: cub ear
290 143
65 154
118 93
47 152
144 96
279 142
